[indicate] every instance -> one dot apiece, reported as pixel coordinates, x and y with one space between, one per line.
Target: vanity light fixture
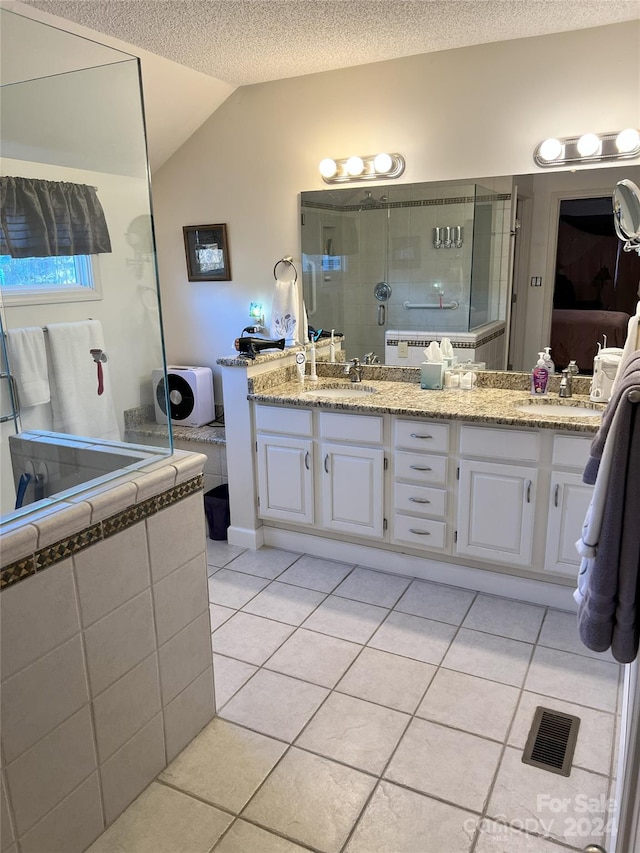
370 168
590 147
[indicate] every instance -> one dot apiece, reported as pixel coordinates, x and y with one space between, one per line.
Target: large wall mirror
503 266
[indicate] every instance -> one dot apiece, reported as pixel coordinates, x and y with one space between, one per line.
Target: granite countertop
484 405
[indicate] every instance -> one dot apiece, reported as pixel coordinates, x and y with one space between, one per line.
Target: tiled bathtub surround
105 656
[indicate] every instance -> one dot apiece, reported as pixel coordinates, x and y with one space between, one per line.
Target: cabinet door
285 478
496 509
568 503
352 489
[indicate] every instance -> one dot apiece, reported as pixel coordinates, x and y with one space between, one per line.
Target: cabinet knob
420 468
420 500
556 492
326 463
417 435
419 532
529 484
306 460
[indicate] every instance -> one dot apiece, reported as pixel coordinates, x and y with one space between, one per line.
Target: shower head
371 201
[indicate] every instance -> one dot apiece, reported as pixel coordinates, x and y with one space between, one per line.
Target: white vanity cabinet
420 480
351 475
569 500
497 498
285 464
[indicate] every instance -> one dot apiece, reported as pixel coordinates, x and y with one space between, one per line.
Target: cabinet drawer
284 420
571 452
421 435
421 532
419 499
421 467
343 427
499 443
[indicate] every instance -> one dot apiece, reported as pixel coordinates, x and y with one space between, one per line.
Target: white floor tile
387 679
435 601
315 573
487 656
405 822
413 637
249 638
219 553
229 675
577 679
233 589
560 631
285 603
373 587
595 735
473 704
275 704
358 733
549 804
244 837
505 617
218 615
224 764
349 620
265 563
311 799
436 760
162 820
314 657
500 838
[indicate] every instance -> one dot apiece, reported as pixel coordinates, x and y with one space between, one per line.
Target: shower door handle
13 396
382 315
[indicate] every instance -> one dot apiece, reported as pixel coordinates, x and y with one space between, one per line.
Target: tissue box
431 376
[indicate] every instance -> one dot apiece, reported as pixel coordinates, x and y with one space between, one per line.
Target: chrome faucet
371 358
565 383
353 369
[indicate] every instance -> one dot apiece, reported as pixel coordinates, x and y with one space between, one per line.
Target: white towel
631 344
285 310
77 407
28 364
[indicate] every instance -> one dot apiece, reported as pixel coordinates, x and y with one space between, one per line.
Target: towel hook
289 261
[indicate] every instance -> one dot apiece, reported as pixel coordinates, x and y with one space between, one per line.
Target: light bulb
627 140
551 149
588 145
328 167
382 163
355 166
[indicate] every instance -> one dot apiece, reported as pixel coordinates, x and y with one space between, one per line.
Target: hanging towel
631 344
28 363
610 546
284 313
77 407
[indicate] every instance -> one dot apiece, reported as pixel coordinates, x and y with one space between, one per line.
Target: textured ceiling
252 41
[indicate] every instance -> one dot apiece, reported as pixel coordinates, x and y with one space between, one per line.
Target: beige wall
476 111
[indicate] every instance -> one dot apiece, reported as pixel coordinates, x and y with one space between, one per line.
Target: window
53 279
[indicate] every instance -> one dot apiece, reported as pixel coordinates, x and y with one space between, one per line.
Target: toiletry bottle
539 377
548 361
332 348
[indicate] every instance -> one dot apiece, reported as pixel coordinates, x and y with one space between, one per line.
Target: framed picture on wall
207 252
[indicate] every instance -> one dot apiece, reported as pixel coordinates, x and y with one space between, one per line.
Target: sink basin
352 390
558 410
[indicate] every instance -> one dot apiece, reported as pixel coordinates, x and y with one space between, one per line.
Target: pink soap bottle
539 377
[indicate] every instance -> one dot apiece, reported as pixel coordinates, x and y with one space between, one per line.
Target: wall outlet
403 349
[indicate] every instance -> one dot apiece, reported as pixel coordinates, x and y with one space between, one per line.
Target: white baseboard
494 583
245 537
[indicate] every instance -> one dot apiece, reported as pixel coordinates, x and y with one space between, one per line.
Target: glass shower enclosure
71 115
412 257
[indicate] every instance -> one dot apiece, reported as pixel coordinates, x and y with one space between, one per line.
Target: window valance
41 219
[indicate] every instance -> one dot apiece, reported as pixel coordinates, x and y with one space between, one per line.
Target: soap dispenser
548 361
539 377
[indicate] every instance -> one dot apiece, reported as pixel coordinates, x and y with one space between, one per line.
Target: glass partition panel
83 353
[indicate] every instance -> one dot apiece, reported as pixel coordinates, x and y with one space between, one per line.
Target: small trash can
216 508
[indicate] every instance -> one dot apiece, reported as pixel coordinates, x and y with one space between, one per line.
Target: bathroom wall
247 164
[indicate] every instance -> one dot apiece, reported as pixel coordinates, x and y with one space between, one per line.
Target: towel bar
451 305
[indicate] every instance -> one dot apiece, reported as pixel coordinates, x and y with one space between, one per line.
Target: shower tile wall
106 660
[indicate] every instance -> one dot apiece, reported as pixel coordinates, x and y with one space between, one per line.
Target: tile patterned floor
362 712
